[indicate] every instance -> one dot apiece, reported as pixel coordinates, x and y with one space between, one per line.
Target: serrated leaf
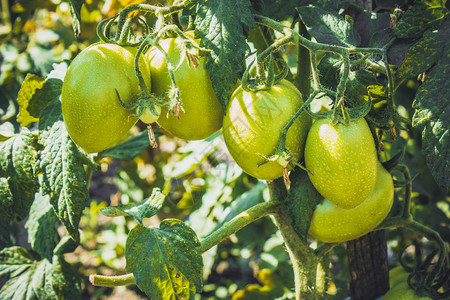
165 261
75 9
31 278
302 201
25 272
432 115
34 95
18 156
29 86
222 26
61 163
41 225
422 55
130 148
421 16
328 27
145 209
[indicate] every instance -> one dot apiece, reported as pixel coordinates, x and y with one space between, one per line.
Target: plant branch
100 280
237 223
240 221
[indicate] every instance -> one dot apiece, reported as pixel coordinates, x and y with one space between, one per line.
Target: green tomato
333 224
253 123
90 106
203 113
148 117
402 291
342 160
397 275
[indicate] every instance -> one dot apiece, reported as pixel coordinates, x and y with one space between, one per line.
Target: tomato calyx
285 159
148 110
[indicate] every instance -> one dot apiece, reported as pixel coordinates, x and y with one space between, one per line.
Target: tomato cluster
101 89
99 97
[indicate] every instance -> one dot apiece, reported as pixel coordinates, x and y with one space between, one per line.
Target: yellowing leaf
31 84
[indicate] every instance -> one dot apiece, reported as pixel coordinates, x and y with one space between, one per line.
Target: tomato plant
319 92
202 114
253 124
90 105
333 224
342 160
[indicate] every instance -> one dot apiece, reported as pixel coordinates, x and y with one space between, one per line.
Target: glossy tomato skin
203 113
333 224
342 160
402 291
253 125
92 114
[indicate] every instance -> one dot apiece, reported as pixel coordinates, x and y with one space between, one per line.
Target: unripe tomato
253 123
333 224
148 117
342 160
402 291
203 113
397 275
92 114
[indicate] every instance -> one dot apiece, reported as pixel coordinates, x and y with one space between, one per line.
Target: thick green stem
305 262
100 280
237 223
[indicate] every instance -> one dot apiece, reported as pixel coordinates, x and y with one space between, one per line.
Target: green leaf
222 26
18 156
75 9
432 115
328 27
61 163
374 29
42 227
130 148
302 201
422 55
145 209
6 199
34 95
420 17
65 245
25 272
6 213
165 261
64 281
30 278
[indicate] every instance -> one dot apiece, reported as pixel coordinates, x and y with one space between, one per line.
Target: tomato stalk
309 265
